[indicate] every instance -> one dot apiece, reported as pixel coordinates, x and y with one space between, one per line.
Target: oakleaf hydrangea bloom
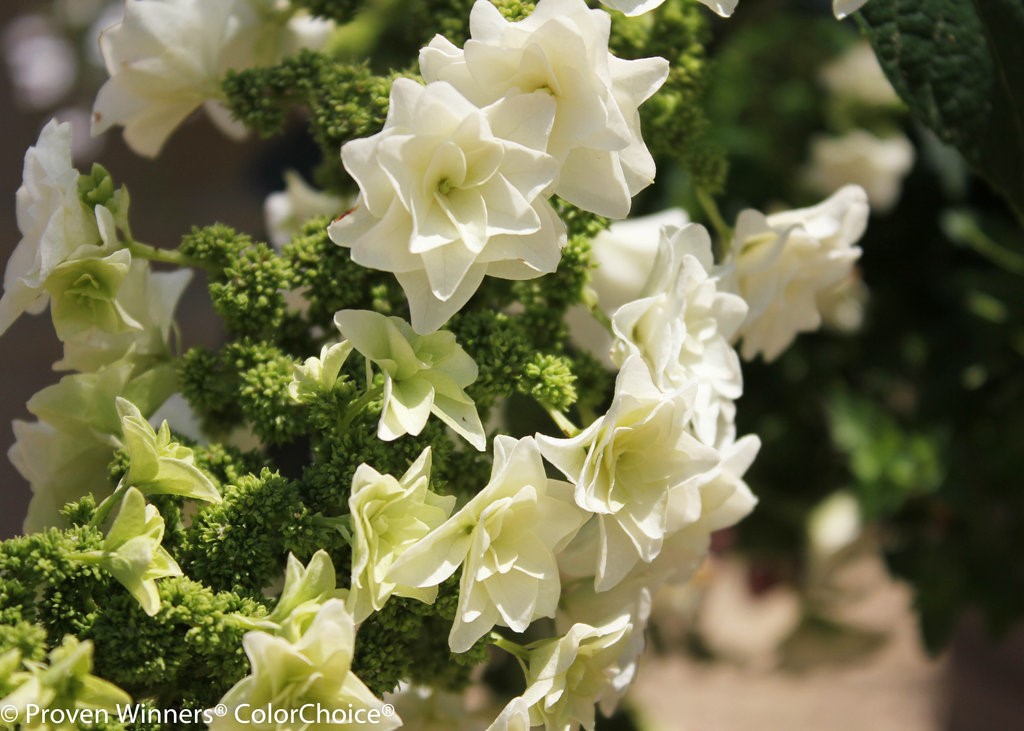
64 455
388 517
306 589
167 57
682 326
633 7
783 261
319 375
513 717
54 224
132 553
65 683
149 299
569 675
629 466
561 52
450 193
158 465
423 375
506 538
725 8
842 8
314 669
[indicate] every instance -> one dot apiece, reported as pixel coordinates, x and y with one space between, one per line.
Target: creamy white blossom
505 538
316 669
423 375
681 327
725 8
877 164
286 211
319 375
783 261
388 517
55 226
149 298
569 675
856 75
629 466
842 8
561 52
450 193
513 717
166 58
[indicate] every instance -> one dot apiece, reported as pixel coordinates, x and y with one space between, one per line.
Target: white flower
449 193
166 58
856 75
388 517
682 325
149 298
567 676
53 222
423 375
317 376
286 211
505 538
622 257
842 8
783 261
629 466
513 717
833 525
877 164
561 52
842 305
316 669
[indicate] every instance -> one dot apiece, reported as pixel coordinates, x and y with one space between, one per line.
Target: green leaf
957 64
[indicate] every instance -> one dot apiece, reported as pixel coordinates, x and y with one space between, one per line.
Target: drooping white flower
783 261
315 669
681 326
149 298
388 517
166 58
629 466
54 224
561 52
450 193
286 211
513 717
423 375
505 538
569 675
877 164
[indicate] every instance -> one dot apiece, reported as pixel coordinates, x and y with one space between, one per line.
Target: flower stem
715 216
168 256
562 421
513 648
358 406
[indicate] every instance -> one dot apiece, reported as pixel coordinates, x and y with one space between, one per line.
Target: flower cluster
354 511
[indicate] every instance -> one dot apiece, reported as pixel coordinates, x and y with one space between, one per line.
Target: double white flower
784 261
725 8
629 467
506 539
167 58
449 193
682 325
561 51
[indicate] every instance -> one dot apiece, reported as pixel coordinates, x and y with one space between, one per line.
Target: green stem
168 256
513 648
562 421
964 228
358 406
340 523
715 216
